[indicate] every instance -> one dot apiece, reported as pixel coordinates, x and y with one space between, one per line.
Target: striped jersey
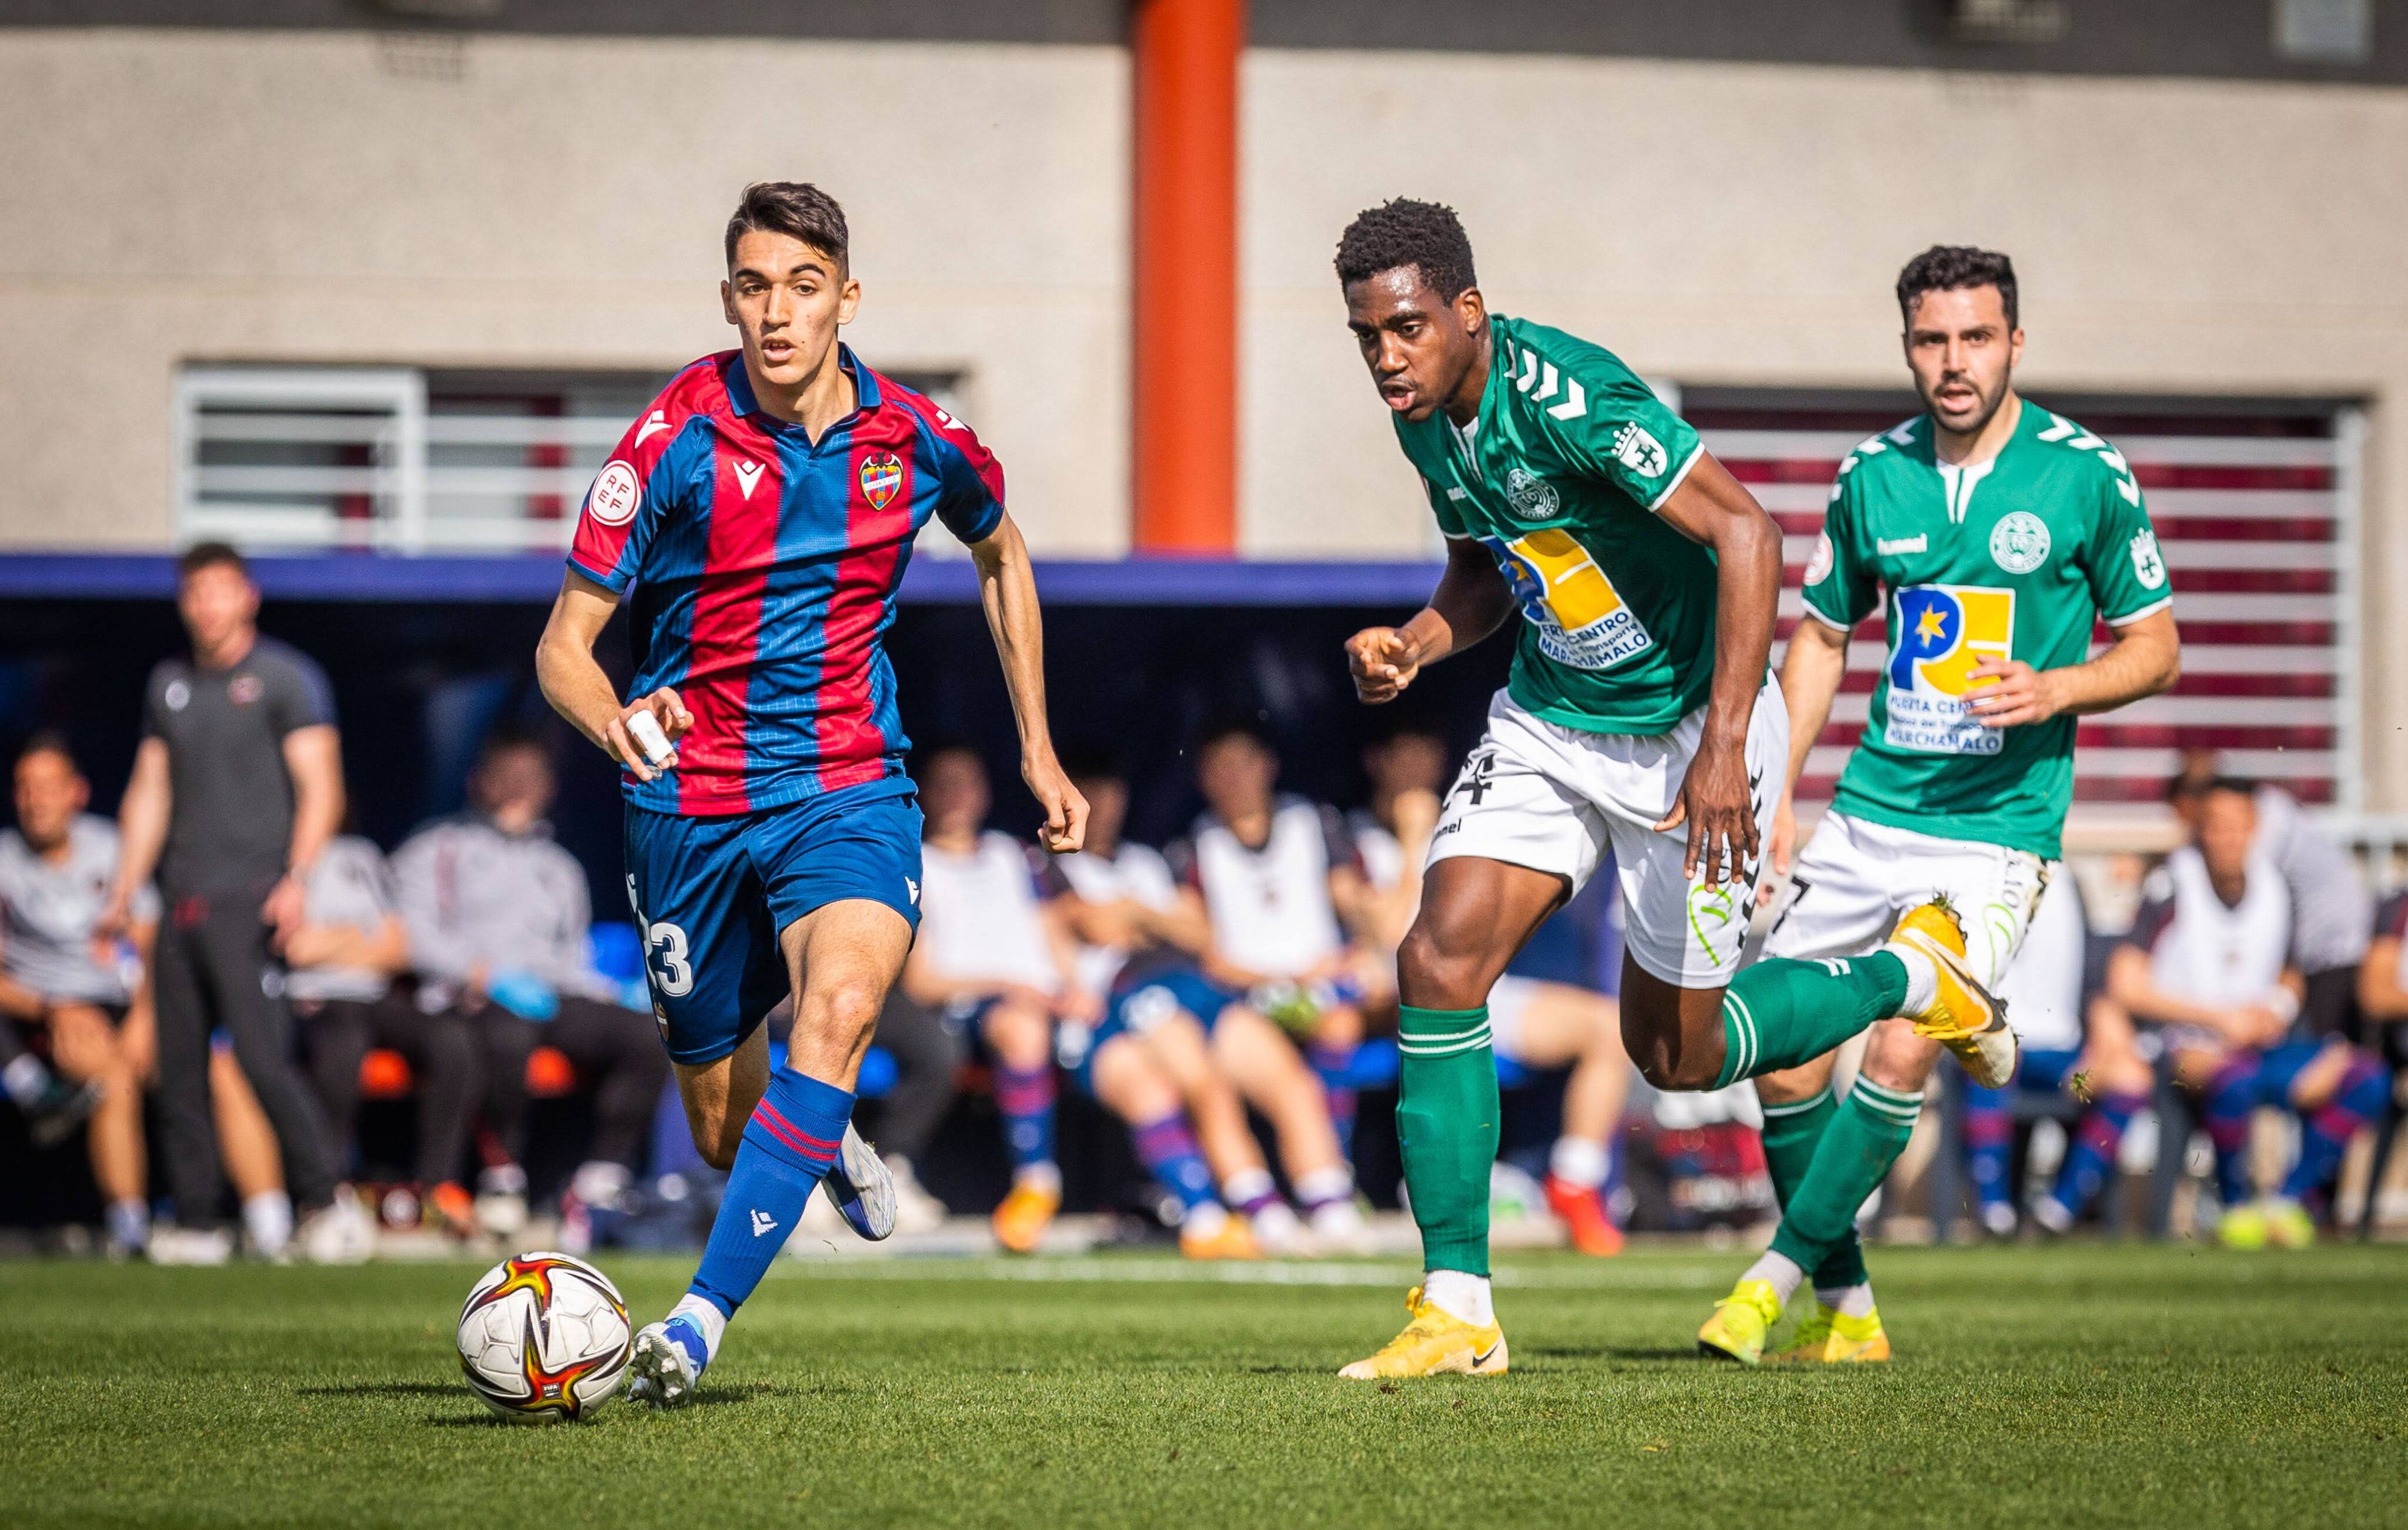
763 566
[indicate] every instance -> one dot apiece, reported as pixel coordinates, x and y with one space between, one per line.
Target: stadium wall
530 201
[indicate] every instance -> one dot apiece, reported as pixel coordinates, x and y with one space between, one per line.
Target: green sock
1791 1135
1866 1136
1780 1012
1446 1127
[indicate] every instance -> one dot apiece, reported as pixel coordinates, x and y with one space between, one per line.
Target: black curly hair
1946 267
1426 236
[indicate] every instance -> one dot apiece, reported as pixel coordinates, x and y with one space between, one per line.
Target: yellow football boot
1021 1221
1828 1337
2289 1225
1232 1239
1962 1016
1741 1320
2243 1229
1435 1343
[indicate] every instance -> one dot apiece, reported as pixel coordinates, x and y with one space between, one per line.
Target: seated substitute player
996 954
69 988
1275 881
2083 1050
1996 535
497 916
1531 1022
1140 936
2207 960
761 512
342 961
1640 718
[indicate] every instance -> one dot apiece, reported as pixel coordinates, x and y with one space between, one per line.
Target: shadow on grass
383 1389
1611 1352
728 1396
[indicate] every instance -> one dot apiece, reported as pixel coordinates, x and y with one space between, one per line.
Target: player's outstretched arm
1471 600
1007 591
1811 673
2144 658
574 683
1712 508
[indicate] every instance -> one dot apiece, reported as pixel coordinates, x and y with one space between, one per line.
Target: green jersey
1560 477
2014 558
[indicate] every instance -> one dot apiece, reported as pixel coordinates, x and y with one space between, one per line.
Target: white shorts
1539 795
1855 878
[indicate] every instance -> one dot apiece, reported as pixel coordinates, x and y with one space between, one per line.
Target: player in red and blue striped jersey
757 519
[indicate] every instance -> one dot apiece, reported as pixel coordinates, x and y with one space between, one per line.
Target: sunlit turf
2086 1385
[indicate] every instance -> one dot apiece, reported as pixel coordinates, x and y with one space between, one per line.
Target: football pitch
2079 1384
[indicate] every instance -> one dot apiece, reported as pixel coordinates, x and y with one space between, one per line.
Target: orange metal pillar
1185 339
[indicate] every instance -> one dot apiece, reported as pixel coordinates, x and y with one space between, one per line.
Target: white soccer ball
544 1337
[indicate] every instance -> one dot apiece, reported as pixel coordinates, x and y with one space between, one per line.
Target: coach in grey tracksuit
237 786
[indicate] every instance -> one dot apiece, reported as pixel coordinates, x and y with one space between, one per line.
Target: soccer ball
544 1337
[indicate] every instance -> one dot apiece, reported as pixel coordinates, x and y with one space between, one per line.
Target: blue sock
788 1144
1026 1097
1334 1064
2091 1153
1989 1144
2325 1132
1167 1149
2232 1098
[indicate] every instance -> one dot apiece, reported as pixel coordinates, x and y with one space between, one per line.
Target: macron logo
747 475
763 1222
653 426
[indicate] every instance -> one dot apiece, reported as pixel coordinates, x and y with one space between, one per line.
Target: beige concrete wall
176 196
1743 224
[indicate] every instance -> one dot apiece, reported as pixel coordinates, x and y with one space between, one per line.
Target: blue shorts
2044 1072
1139 1003
711 894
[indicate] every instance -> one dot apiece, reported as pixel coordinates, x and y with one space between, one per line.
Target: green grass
2081 1384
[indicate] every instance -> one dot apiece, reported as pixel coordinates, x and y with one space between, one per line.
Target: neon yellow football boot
1828 1337
2243 1229
1435 1343
2289 1225
1962 1016
1741 1320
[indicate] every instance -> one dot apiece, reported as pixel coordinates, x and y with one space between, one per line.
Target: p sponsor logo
1944 631
616 495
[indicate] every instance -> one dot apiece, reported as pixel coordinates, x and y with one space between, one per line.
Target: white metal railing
382 459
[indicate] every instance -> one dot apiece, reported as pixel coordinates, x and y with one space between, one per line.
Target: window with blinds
2255 510
405 459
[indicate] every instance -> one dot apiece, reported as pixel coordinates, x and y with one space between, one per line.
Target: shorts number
664 952
1797 887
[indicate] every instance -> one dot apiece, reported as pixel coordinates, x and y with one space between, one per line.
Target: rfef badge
1943 631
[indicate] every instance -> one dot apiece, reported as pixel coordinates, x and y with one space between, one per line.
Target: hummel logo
747 475
653 426
763 1222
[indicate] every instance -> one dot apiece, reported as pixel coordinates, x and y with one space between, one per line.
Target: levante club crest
880 477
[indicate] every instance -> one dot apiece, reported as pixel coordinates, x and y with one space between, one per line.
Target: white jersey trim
2150 610
1678 478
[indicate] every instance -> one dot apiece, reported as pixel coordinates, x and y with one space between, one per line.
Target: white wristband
645 730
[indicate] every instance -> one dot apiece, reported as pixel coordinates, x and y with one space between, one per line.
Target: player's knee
1664 1068
1439 973
845 1007
1897 1058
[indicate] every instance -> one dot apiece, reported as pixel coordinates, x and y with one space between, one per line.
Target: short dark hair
1094 759
1226 725
795 209
202 555
2237 785
49 742
1426 236
1946 267
510 737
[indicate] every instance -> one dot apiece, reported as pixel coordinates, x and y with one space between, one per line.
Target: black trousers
213 970
443 1051
617 1051
928 1054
